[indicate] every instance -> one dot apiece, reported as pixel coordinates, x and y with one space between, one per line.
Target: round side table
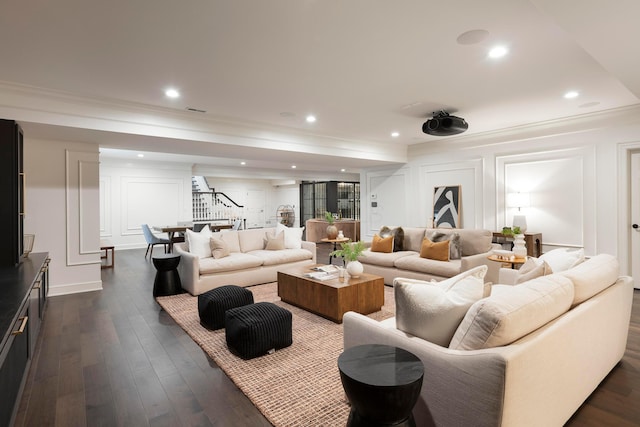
382 383
167 280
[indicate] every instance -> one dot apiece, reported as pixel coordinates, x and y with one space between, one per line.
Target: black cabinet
316 198
22 307
12 186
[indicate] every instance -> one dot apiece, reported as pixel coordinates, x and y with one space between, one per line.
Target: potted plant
332 230
350 252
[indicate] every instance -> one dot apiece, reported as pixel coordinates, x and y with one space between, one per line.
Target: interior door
255 209
635 219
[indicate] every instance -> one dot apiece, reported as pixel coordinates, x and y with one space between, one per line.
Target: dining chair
153 240
236 224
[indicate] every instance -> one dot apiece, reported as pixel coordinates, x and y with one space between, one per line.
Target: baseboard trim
74 288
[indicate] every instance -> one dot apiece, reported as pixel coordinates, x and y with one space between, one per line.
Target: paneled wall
136 193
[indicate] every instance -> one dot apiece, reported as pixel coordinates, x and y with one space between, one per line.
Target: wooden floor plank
113 357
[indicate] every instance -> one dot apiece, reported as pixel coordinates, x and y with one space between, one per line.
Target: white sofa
248 262
475 246
540 378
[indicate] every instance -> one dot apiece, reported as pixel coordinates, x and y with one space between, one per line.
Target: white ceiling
365 68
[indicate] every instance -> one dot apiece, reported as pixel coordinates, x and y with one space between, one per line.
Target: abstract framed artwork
446 206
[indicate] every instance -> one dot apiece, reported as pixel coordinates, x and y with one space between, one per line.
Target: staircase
210 205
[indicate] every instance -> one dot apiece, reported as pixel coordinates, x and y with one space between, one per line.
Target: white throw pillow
562 259
292 236
532 268
199 243
433 310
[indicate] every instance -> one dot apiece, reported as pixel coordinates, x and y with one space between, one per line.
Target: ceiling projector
443 124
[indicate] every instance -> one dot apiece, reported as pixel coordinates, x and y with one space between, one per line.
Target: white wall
133 193
62 211
570 168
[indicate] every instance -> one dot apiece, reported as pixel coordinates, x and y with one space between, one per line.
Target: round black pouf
167 280
382 383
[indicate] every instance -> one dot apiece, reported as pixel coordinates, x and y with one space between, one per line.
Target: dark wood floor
113 358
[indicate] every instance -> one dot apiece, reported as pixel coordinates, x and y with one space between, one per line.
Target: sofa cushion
433 310
235 261
274 243
219 248
429 266
382 244
413 239
282 256
531 269
474 241
383 259
562 259
398 236
199 242
455 248
513 312
438 251
592 276
292 236
252 239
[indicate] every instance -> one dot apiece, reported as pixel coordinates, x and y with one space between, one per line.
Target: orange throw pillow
438 251
382 244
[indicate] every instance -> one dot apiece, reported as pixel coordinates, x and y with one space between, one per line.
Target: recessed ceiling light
498 52
311 118
172 93
395 134
571 94
141 155
293 166
243 163
343 170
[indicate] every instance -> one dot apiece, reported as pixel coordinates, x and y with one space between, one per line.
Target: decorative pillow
593 276
199 242
292 236
274 243
398 236
219 248
382 244
438 251
433 310
455 248
562 259
204 230
513 312
532 268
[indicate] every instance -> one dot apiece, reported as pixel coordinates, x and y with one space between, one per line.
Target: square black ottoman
214 303
254 330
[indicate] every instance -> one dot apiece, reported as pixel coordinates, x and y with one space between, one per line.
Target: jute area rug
296 386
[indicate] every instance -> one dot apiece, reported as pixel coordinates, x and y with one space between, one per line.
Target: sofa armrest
471 261
452 378
311 247
188 268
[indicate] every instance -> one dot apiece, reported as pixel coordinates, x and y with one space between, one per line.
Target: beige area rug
295 386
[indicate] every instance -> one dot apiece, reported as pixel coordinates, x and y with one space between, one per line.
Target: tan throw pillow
438 251
219 248
382 244
433 310
274 243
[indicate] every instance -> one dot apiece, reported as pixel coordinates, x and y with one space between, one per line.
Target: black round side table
382 383
167 280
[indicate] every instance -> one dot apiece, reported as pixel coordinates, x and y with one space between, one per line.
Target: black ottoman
214 303
256 329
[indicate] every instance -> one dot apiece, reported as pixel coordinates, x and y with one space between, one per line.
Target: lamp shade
518 200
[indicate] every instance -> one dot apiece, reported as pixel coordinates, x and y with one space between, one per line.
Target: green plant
329 217
350 250
509 232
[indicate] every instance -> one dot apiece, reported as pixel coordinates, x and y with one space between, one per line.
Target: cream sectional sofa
527 355
475 247
248 262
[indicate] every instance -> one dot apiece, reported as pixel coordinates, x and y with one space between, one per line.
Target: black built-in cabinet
12 182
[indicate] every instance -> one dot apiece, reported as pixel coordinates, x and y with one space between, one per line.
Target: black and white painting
446 207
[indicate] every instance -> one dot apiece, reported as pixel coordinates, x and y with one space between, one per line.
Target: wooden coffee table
334 297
